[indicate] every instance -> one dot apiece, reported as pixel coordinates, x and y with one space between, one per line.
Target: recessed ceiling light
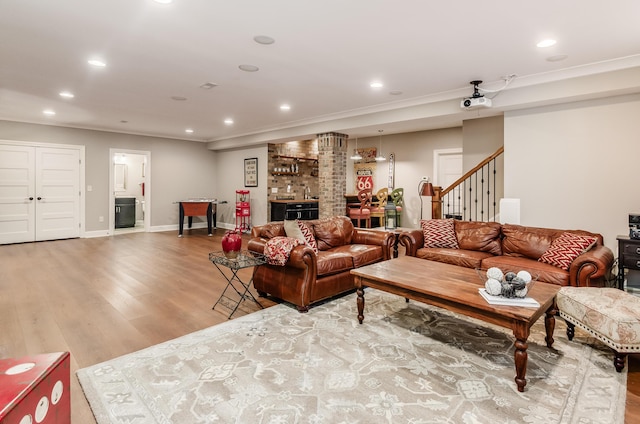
163 1
48 112
178 98
189 131
66 94
208 85
97 63
263 39
285 107
249 68
228 121
547 43
557 58
376 84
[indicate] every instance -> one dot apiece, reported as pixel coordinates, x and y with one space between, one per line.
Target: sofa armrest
301 256
375 237
412 241
592 267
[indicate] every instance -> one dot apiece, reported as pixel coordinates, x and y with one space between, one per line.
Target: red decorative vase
231 244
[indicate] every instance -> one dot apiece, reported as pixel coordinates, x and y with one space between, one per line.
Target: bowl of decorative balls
506 284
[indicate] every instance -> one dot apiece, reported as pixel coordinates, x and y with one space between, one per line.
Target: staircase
474 196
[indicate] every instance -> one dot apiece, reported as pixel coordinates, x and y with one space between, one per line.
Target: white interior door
17 194
57 193
39 193
449 169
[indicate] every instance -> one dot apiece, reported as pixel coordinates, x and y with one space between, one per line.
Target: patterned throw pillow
301 231
439 233
565 249
308 236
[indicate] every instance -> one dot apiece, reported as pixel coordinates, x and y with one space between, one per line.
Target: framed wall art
251 172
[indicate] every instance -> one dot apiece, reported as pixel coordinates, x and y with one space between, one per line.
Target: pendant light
357 155
380 157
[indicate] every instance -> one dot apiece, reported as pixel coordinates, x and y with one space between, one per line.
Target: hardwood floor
105 297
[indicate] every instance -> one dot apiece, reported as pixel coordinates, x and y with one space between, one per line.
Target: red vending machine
35 389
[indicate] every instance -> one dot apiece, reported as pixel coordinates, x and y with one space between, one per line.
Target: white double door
39 193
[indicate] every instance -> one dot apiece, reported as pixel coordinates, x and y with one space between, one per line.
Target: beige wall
575 165
179 169
229 170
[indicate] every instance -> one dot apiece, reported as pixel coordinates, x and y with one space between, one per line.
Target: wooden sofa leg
618 361
302 309
570 330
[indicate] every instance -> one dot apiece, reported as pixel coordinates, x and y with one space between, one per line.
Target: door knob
39 198
31 198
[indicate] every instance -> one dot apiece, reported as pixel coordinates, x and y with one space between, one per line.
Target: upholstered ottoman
611 315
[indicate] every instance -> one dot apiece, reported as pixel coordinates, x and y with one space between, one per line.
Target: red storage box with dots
35 389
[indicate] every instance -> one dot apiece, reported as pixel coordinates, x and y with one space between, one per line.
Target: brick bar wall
332 162
281 156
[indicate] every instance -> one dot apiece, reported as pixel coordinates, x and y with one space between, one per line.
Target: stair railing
471 197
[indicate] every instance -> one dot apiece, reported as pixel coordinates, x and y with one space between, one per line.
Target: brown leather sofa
515 248
308 277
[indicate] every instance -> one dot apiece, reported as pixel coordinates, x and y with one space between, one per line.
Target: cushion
308 235
439 233
479 236
299 230
333 232
292 229
566 248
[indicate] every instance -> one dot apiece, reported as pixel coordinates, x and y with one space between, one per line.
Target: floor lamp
425 188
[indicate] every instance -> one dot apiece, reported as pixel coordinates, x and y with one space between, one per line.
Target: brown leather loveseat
308 277
514 248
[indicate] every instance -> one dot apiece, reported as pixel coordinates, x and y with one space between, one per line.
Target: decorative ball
525 276
493 287
507 290
510 276
495 273
521 292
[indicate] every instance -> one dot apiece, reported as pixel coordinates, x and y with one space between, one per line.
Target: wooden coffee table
456 289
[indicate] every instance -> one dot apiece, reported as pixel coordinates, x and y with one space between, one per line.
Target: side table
628 257
245 259
396 236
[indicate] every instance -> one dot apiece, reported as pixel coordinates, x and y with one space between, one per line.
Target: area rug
408 363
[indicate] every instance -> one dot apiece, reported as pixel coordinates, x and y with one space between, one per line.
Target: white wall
229 168
575 165
413 159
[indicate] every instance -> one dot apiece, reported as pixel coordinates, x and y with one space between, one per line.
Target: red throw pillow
566 248
439 233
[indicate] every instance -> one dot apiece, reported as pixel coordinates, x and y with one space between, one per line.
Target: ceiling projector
475 102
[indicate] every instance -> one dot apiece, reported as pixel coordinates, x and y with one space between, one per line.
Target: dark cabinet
628 257
294 210
125 212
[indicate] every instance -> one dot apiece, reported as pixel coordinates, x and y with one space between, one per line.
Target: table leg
360 300
181 221
209 219
242 291
521 332
550 323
